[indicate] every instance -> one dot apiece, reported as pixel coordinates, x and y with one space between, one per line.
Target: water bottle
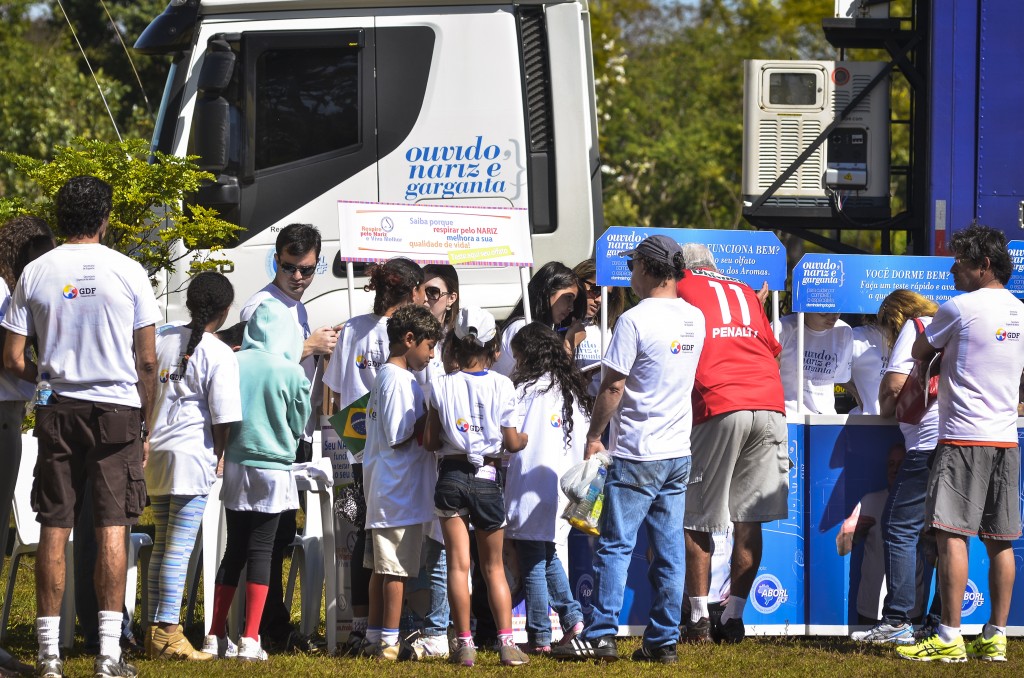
588 512
43 390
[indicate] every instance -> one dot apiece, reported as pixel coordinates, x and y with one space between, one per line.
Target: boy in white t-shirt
399 475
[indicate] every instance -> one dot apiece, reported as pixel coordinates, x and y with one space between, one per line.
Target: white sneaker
249 650
885 633
428 647
222 648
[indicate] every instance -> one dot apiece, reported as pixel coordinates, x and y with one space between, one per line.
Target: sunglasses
435 293
592 289
304 271
629 264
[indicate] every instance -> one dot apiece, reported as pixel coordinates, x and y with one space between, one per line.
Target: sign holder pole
524 281
800 363
350 277
604 327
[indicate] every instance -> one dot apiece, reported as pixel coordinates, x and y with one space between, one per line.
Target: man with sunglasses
296 260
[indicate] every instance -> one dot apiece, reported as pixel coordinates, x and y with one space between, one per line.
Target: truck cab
295 105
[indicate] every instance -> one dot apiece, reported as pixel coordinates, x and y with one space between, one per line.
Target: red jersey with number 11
737 368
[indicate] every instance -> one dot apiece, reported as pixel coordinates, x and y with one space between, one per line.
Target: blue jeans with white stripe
177 519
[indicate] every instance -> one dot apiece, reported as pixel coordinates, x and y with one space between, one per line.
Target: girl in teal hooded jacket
258 483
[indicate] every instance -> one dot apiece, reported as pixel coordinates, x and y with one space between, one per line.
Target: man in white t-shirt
974 484
295 261
93 314
645 394
828 351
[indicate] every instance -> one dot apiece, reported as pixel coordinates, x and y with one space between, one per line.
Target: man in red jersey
740 471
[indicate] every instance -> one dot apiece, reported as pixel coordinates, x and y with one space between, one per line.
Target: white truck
297 104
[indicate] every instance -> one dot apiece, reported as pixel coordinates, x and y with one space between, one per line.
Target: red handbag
915 398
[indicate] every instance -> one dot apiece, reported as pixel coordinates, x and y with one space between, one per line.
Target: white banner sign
435 234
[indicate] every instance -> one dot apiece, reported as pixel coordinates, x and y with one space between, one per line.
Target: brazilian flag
350 423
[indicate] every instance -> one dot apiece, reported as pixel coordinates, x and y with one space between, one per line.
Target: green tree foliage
147 216
107 29
45 100
672 95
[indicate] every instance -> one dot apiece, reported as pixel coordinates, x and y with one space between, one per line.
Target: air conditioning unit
861 9
786 106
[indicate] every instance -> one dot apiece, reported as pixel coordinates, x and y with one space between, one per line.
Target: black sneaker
698 632
731 631
604 649
666 654
301 644
105 667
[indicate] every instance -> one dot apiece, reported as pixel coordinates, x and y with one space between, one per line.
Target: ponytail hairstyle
393 281
550 278
466 350
541 352
209 294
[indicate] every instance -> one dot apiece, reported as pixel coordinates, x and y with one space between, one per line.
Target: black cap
656 247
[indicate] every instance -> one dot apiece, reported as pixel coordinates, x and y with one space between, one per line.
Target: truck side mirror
212 121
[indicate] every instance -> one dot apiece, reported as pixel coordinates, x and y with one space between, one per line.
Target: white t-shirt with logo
84 302
870 357
398 479
186 406
827 357
981 335
925 435
533 496
506 362
362 349
473 407
312 363
588 354
656 345
11 387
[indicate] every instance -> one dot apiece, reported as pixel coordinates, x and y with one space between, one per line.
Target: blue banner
752 257
857 283
1016 284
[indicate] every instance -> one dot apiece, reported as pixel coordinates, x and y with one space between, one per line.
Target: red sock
255 599
222 597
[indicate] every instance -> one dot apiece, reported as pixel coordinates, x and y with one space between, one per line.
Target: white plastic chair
308 555
208 550
26 541
140 548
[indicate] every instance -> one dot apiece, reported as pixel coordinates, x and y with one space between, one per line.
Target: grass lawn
815 657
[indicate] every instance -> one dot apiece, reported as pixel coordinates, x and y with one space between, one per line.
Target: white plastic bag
576 480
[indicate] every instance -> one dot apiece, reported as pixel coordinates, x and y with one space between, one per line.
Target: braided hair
541 352
209 294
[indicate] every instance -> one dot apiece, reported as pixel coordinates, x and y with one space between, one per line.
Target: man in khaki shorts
740 469
974 484
93 314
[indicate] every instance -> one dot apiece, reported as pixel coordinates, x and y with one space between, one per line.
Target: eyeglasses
304 271
435 293
592 289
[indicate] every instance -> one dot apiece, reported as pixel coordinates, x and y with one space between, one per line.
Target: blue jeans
545 583
434 576
902 522
636 492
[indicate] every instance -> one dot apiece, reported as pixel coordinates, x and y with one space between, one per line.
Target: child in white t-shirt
556 416
361 350
473 417
197 398
398 474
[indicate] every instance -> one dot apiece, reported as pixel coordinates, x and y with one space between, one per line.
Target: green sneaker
933 649
988 649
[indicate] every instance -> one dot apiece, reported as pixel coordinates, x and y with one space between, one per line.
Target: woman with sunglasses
584 336
556 300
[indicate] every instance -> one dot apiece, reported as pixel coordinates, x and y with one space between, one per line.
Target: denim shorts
461 492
